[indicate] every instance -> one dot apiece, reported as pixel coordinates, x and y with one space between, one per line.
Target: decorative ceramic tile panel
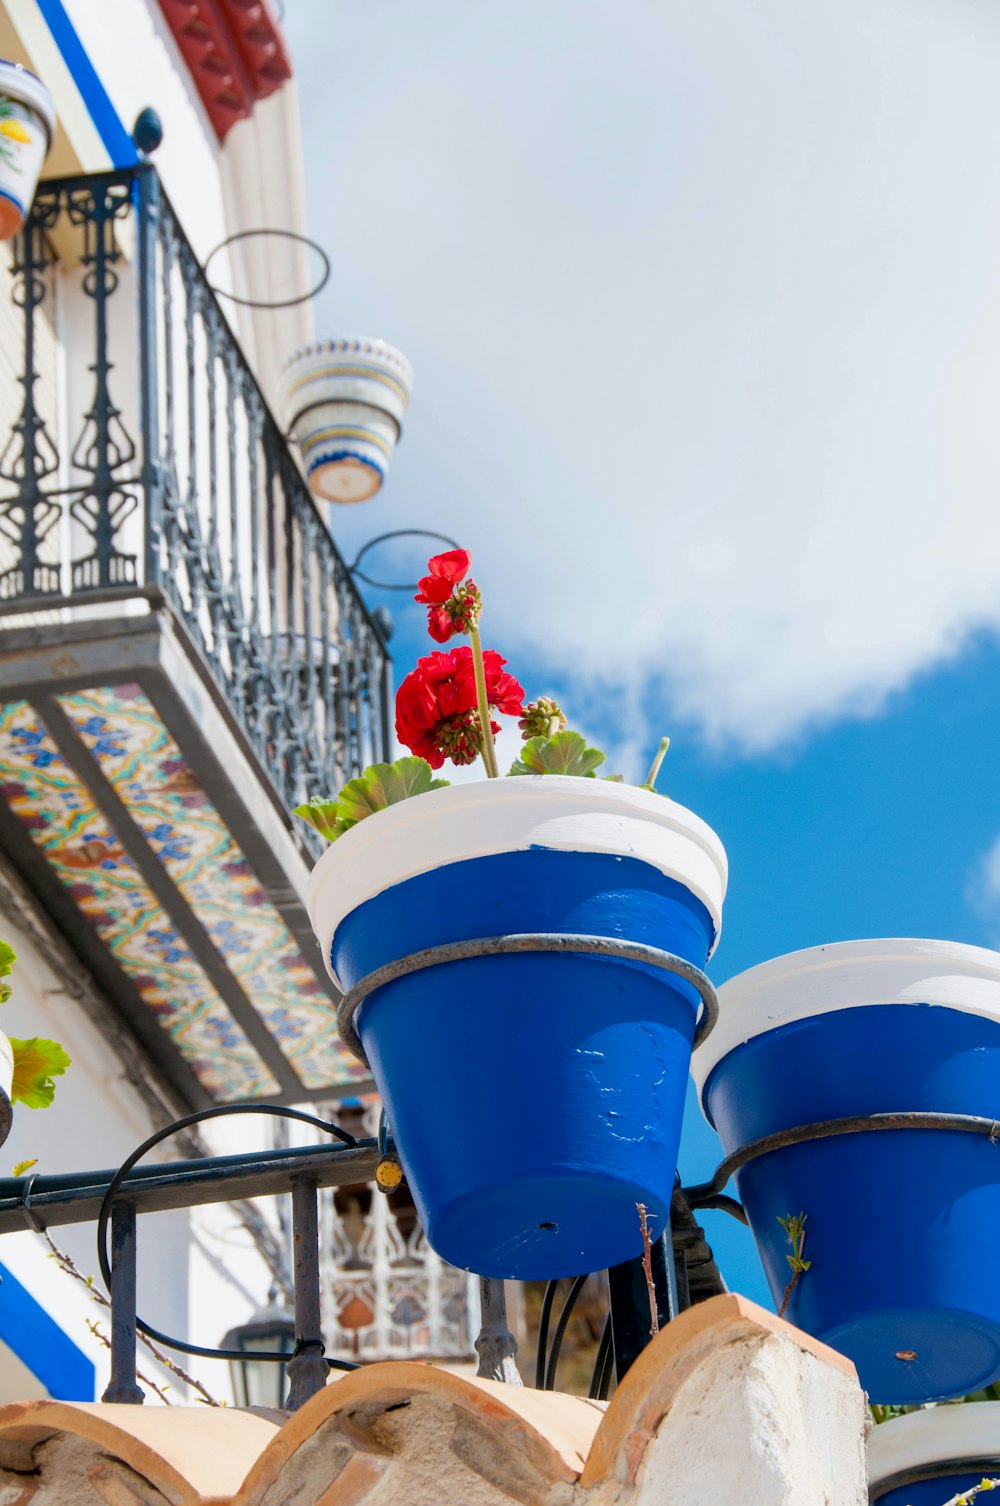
65 824
138 756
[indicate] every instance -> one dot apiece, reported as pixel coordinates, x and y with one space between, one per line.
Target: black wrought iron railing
678 1272
143 461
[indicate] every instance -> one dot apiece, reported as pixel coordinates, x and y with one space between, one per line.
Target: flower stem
489 752
647 1266
654 768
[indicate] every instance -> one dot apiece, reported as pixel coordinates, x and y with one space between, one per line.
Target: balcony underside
137 813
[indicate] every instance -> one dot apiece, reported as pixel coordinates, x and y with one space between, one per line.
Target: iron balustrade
682 1267
153 473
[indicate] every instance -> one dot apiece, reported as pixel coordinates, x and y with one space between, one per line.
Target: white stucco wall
253 180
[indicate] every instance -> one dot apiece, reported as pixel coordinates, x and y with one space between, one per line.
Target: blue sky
703 302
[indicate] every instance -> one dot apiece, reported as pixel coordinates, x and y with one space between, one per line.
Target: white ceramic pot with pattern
27 126
344 404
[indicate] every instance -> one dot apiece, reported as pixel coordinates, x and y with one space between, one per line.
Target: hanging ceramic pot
535 1097
930 1456
902 1225
344 404
27 126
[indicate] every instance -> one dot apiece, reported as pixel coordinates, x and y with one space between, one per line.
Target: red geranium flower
446 570
436 713
451 606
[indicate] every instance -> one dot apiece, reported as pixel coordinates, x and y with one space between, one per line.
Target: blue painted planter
892 1216
931 1443
535 1098
929 1492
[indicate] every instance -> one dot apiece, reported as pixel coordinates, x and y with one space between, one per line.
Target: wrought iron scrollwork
178 480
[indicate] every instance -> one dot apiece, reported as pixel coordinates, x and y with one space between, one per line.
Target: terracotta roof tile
406 1434
193 1456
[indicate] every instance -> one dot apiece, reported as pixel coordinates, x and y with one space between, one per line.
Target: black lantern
259 1382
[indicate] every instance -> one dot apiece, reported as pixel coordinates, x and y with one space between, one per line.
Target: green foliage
565 753
795 1227
36 1062
381 785
7 959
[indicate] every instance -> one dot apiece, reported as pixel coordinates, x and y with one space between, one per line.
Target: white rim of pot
511 815
23 85
933 1436
848 975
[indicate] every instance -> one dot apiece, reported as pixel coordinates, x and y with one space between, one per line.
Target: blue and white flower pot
923 1448
344 403
27 126
535 1098
903 1226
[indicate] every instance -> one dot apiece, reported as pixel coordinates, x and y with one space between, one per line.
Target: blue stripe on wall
119 144
38 1341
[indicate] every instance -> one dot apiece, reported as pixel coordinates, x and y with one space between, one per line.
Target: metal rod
308 1371
525 941
122 1386
824 1129
496 1346
552 1364
76 1198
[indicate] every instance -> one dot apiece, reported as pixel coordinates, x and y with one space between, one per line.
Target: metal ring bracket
709 1194
526 941
280 303
397 533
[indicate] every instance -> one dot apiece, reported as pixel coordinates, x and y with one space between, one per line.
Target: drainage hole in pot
549 1225
909 1355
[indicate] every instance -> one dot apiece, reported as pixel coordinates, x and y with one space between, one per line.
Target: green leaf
7 959
23 1166
381 785
36 1062
385 784
321 815
565 753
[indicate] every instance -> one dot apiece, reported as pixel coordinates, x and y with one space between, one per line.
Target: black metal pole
308 1371
122 1386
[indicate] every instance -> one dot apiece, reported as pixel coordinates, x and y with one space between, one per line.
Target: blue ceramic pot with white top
902 1226
928 1457
535 1098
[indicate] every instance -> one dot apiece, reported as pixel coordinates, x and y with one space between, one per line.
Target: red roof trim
234 53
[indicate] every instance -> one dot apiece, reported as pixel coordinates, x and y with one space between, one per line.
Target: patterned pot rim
26 87
354 345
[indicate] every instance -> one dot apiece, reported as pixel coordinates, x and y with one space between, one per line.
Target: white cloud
704 306
983 890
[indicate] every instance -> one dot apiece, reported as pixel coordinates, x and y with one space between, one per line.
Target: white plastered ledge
847 975
512 815
934 1436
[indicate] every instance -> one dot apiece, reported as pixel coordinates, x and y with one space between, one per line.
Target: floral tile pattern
65 824
121 728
